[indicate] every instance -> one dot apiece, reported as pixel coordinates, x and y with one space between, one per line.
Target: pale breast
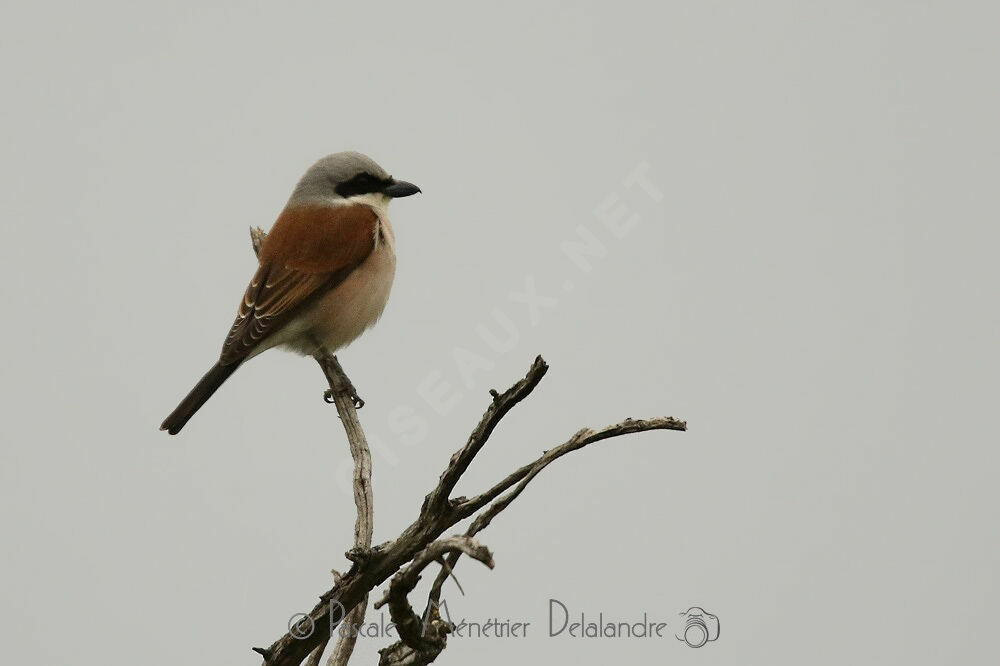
343 314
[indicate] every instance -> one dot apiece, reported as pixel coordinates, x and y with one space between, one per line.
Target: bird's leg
340 384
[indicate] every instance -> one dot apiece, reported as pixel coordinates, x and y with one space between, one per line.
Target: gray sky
806 273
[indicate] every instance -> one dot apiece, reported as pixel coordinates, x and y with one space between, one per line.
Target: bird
325 270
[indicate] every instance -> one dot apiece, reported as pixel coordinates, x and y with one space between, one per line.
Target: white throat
376 200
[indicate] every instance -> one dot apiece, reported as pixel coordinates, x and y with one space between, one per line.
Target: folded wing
310 250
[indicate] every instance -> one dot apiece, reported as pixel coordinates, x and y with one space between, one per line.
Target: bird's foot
330 396
340 384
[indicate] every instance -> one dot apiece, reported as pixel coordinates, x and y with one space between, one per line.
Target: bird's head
349 176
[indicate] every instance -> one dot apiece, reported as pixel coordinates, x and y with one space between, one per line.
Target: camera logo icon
697 627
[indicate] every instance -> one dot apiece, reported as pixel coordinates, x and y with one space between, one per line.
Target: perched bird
326 268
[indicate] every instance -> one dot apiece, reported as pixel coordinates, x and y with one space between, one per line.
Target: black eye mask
363 183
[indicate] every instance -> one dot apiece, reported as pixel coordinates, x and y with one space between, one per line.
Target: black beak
399 188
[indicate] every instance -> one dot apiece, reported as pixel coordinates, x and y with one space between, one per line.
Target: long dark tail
201 392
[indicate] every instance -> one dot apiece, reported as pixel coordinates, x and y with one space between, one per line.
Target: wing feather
310 250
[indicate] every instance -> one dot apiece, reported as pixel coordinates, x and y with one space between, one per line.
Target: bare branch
576 442
439 512
317 655
409 625
524 475
345 398
502 403
341 391
407 579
